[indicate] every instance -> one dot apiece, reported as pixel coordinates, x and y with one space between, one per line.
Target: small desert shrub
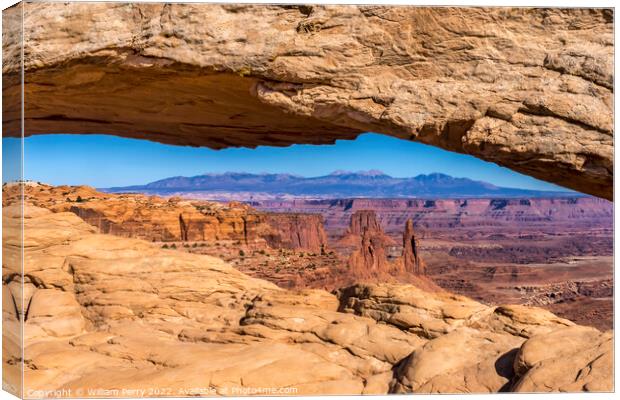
241 253
173 246
165 246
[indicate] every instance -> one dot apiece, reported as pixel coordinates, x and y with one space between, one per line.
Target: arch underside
531 90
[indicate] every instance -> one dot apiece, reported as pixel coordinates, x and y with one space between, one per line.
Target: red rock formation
450 214
296 231
362 221
370 259
149 217
175 219
411 259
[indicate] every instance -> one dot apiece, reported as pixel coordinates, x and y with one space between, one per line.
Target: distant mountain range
339 184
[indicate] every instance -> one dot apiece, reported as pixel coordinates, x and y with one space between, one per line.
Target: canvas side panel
12 211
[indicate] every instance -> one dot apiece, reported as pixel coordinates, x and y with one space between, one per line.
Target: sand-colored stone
527 88
158 219
463 361
410 308
122 313
572 359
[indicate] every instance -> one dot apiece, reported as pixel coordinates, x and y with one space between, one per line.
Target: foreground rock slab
111 314
529 89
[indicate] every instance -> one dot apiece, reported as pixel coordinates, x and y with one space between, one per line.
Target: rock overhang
528 89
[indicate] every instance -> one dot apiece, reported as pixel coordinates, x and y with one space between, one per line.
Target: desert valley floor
330 296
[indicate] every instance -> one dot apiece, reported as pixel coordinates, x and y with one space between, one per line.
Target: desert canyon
125 292
123 286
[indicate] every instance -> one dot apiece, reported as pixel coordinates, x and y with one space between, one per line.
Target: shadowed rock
411 260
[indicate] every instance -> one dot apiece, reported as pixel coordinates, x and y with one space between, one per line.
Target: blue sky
104 161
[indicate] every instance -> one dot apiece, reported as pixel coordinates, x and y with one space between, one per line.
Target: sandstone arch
529 89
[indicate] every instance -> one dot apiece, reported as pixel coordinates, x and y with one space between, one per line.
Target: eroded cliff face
157 219
411 260
529 89
150 218
296 231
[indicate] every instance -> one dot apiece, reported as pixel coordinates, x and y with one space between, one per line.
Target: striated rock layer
296 231
529 89
412 262
484 214
156 219
117 314
364 222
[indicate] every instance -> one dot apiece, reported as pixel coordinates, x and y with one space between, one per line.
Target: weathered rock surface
157 219
529 89
475 349
370 243
364 222
110 313
369 260
150 218
485 214
566 360
412 262
296 231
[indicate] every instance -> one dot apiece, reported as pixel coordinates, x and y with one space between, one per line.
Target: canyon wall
296 231
530 89
156 219
482 214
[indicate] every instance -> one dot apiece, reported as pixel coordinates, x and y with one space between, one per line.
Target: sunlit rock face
529 89
101 311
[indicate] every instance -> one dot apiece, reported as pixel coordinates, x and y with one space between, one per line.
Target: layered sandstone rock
296 231
371 244
157 219
542 363
364 222
150 218
369 260
411 259
366 237
476 349
118 313
526 88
